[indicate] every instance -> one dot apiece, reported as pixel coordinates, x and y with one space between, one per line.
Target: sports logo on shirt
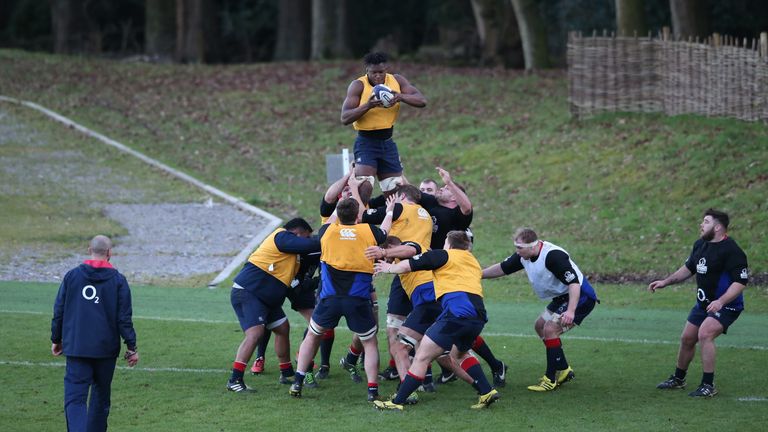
423 214
371 211
416 257
744 274
569 277
348 234
701 267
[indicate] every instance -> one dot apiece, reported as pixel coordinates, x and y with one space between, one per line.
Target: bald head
100 246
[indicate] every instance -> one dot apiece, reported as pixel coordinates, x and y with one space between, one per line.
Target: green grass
625 347
624 193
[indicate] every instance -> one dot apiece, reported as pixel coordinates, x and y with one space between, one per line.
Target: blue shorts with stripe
252 311
357 311
450 330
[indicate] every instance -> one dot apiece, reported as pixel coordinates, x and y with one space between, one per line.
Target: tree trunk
689 18
293 30
341 44
533 34
497 33
195 36
160 30
630 18
70 27
322 28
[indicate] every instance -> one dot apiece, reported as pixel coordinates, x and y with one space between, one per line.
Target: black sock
484 351
262 349
708 378
407 386
680 373
326 344
353 356
428 375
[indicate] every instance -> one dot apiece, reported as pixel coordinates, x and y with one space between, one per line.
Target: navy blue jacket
91 313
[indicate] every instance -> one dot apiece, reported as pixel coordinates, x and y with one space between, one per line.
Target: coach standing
91 313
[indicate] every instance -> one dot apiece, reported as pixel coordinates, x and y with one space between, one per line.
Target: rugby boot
387 405
389 374
704 391
309 380
352 369
295 390
238 386
500 377
446 378
258 366
672 383
563 376
323 372
486 400
544 385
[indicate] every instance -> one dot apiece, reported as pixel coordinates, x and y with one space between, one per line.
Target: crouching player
457 276
555 277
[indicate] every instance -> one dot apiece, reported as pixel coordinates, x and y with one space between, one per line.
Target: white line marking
140 369
272 221
753 399
492 334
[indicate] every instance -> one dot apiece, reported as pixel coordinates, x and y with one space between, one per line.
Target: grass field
187 339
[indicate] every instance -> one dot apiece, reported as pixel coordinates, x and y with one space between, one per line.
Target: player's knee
315 329
368 335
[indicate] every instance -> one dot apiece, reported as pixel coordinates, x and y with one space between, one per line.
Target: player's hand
566 319
653 286
445 175
353 182
381 267
373 102
374 253
393 199
56 349
132 357
715 306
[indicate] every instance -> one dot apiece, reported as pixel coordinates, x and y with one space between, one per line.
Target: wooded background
512 33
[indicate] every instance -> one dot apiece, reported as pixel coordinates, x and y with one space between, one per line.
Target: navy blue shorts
559 305
724 316
423 316
449 331
358 312
380 154
303 296
251 311
398 302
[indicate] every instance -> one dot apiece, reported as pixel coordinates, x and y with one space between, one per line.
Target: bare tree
497 33
689 18
341 44
195 31
322 28
69 25
160 29
533 34
293 30
630 17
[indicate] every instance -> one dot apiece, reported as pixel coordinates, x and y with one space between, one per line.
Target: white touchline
753 399
140 369
272 220
492 334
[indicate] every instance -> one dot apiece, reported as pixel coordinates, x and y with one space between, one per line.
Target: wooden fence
720 76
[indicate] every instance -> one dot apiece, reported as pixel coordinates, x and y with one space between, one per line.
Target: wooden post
665 33
764 45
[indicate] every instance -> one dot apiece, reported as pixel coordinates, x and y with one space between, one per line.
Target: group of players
435 310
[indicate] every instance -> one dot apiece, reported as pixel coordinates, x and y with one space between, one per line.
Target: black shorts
450 330
398 303
559 305
303 295
724 316
356 310
423 316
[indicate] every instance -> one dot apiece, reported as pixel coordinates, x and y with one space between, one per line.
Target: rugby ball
384 94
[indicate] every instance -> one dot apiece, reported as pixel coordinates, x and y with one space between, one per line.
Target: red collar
98 263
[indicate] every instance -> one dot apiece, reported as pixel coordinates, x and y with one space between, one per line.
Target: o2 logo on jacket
348 234
569 277
744 274
89 293
701 267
